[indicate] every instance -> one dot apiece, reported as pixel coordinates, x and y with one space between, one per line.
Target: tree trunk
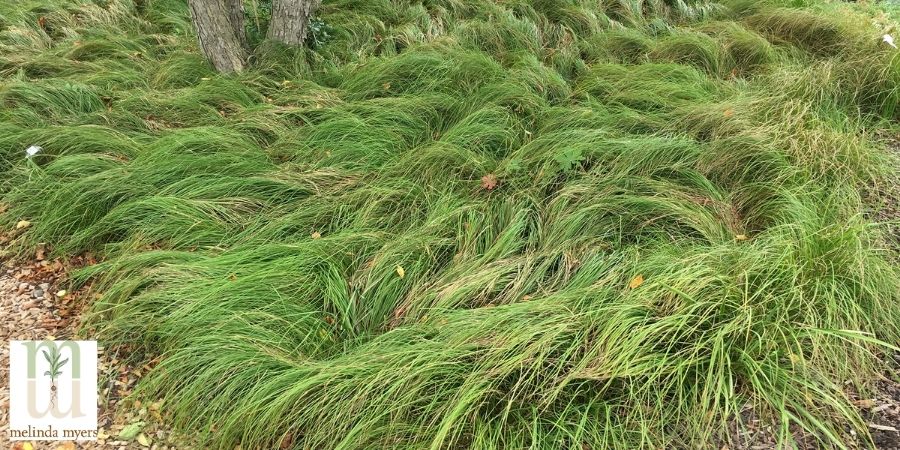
235 10
290 20
216 33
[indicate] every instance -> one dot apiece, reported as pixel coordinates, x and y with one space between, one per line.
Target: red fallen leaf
287 441
489 182
400 312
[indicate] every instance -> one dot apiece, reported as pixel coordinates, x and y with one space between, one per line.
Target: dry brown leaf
315 235
287 441
875 426
741 237
729 113
636 281
66 446
489 182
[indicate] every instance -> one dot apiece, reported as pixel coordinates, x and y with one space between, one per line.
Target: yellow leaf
27 446
23 224
143 440
741 237
205 78
315 235
400 272
636 281
61 293
729 113
66 446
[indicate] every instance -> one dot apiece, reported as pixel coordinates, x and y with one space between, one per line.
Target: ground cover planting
560 224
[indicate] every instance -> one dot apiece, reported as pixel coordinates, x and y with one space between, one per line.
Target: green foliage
56 365
312 251
569 159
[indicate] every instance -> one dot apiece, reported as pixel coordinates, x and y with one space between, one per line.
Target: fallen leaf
865 403
287 441
232 277
40 253
728 113
315 235
143 440
386 86
400 272
42 21
23 224
741 237
489 182
875 426
131 430
66 446
636 281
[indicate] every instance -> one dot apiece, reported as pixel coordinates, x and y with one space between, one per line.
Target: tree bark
216 33
290 20
235 10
